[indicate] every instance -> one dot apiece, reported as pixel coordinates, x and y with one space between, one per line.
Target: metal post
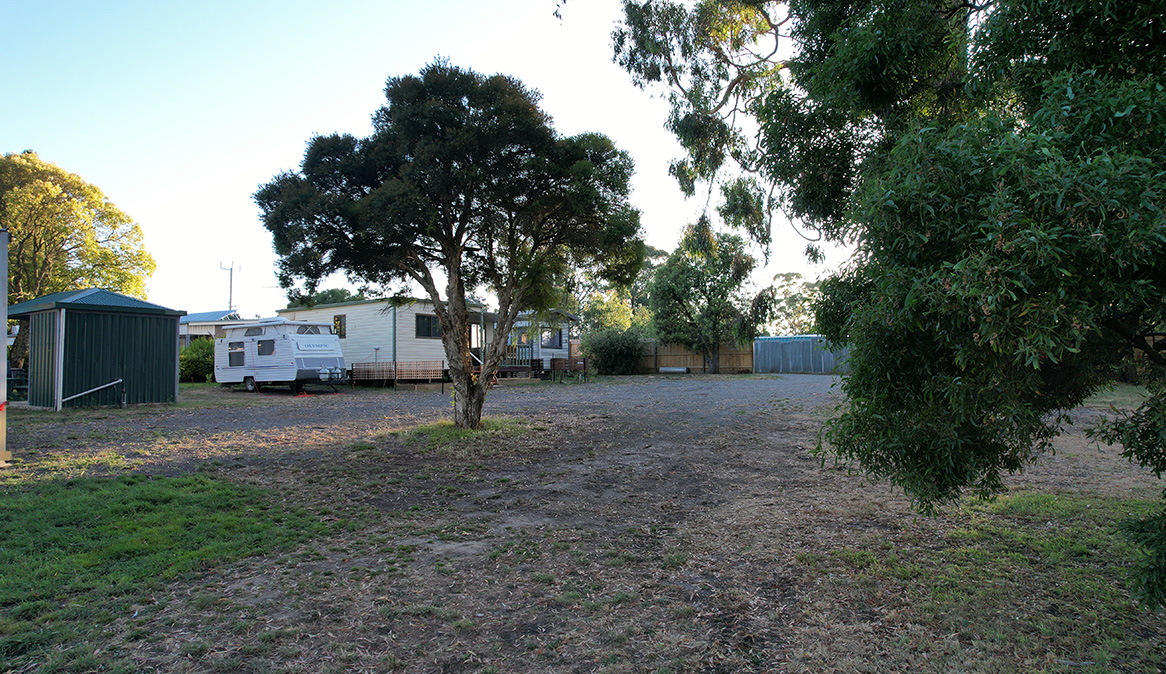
5 455
230 284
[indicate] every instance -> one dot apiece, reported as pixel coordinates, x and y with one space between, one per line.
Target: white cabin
377 331
278 351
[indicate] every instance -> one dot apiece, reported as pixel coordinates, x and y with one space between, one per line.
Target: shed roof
207 316
91 299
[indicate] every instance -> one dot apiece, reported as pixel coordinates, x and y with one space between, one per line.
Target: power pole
230 284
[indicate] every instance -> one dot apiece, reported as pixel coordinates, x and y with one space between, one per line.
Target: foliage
330 296
614 351
464 180
65 235
79 552
608 307
699 297
999 168
793 309
196 361
611 310
641 286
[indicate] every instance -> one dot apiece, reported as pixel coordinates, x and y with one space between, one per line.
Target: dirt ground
645 524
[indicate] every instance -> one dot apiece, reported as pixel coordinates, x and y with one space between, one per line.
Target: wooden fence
412 370
733 359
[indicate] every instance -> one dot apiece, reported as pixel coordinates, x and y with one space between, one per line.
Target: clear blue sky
179 111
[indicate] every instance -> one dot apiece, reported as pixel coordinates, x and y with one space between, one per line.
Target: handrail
92 390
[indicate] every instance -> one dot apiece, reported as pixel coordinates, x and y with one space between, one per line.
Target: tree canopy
462 185
65 235
998 167
793 305
329 296
699 295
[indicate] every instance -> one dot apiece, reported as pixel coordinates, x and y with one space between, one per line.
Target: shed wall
42 358
102 347
807 354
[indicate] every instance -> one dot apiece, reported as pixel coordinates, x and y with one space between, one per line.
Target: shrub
196 362
614 351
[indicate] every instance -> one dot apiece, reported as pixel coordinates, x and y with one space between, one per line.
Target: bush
196 362
614 351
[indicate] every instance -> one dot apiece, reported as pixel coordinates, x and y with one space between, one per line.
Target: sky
180 111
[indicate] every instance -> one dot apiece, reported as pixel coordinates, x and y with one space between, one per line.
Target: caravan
278 351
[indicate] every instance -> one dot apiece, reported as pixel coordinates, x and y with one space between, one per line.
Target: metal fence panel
803 354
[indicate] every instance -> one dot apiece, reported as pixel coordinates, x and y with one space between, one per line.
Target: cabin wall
367 328
369 331
411 346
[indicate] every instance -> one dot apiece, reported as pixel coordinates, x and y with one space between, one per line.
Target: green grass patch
1121 396
1026 577
445 437
78 553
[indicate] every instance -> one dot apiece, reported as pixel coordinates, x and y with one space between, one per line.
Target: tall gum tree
698 295
462 185
998 167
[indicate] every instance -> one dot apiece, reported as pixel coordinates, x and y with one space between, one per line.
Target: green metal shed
82 341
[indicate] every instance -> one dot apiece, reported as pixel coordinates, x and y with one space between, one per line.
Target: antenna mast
230 284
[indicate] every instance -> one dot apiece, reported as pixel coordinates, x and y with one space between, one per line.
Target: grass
535 561
78 553
1061 553
445 438
190 397
1121 396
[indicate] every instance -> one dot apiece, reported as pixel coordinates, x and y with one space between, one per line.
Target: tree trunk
467 405
712 359
19 352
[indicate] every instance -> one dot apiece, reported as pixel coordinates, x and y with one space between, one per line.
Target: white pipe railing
92 390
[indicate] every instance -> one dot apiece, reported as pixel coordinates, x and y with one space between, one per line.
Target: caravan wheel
251 385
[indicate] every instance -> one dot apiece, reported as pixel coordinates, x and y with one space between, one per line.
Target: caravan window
308 330
252 332
266 347
235 354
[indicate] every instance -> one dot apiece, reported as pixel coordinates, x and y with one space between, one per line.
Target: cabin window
308 330
252 332
428 326
552 339
266 347
235 354
340 325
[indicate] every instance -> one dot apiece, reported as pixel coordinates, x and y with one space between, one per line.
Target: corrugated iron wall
806 354
103 347
42 358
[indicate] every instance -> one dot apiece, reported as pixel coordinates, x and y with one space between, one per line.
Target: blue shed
798 354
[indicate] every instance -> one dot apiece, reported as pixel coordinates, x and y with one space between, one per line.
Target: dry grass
618 541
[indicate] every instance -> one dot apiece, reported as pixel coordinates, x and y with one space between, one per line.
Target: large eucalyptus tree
462 186
998 166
